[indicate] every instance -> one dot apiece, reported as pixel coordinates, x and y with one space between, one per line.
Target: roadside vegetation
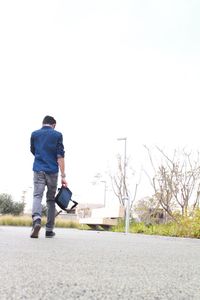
186 227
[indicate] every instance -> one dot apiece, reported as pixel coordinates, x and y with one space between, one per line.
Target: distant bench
103 217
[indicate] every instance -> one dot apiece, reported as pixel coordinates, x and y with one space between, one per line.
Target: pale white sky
104 69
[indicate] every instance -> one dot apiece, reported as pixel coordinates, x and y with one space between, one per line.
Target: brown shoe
36 228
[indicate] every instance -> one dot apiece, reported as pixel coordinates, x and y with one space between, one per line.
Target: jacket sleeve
60 147
32 147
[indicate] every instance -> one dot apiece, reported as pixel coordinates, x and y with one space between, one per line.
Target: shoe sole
35 232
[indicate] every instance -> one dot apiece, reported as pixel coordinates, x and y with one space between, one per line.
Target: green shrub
138 228
119 227
8 206
18 208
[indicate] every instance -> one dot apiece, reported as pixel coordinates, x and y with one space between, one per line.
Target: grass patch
63 223
9 220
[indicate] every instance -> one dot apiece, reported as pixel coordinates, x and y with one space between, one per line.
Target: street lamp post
125 195
104 192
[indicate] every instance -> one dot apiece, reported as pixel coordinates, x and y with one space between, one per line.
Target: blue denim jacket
47 147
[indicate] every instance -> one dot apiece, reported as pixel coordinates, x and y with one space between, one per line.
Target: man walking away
47 147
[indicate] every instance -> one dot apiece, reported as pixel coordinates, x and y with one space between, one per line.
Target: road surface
80 264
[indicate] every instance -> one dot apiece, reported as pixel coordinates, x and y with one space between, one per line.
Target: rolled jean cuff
36 218
49 229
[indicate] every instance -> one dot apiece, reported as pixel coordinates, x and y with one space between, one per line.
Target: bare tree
123 184
176 181
118 181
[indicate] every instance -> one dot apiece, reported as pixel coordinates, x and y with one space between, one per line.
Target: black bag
63 198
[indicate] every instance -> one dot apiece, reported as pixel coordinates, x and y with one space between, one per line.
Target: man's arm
32 147
61 163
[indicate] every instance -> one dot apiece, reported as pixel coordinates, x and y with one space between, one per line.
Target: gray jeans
41 180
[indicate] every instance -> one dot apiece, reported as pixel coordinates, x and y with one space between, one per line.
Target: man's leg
39 187
51 180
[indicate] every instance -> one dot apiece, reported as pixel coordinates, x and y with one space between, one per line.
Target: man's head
48 120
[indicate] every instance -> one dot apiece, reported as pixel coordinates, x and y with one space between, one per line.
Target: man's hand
63 182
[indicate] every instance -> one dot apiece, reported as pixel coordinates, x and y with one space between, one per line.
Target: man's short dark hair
49 120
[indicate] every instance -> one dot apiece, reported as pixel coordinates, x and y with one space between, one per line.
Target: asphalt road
97 265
